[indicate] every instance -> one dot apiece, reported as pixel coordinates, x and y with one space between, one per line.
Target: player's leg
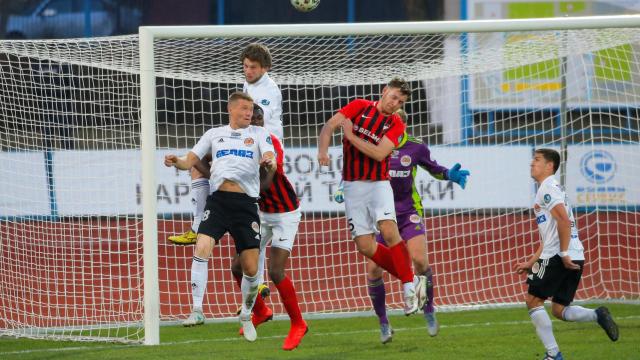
365 213
244 228
199 193
266 235
261 312
542 322
285 229
249 288
383 208
543 283
414 287
562 309
199 274
212 228
414 231
377 294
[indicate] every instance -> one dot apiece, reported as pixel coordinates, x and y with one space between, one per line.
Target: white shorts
366 203
279 228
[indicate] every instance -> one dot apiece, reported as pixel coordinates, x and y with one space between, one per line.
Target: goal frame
147 35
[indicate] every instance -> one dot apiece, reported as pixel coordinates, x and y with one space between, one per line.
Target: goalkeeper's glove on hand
458 176
338 196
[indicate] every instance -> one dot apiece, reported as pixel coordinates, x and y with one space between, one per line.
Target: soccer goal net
76 261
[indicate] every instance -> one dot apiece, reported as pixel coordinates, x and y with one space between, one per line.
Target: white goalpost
85 123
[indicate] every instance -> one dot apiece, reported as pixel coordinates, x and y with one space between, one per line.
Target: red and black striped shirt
370 125
280 197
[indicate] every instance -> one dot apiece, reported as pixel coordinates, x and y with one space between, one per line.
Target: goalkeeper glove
458 176
338 196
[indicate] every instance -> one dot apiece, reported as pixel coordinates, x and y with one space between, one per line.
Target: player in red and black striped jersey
371 130
279 217
371 125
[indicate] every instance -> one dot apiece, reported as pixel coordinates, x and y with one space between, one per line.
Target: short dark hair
239 95
257 112
550 155
257 52
401 84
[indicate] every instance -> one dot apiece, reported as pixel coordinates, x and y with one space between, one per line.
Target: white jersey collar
263 80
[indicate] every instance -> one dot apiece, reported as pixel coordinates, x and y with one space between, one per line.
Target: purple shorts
410 225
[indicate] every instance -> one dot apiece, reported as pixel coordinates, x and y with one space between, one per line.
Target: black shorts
550 279
236 213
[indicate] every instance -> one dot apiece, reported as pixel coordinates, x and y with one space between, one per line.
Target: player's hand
268 163
323 159
458 176
568 264
347 128
170 160
523 267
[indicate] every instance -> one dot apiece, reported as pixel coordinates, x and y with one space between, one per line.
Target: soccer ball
305 5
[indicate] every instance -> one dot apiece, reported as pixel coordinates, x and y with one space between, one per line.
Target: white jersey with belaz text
266 93
548 196
235 155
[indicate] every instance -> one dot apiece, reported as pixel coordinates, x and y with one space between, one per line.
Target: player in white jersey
556 267
256 62
238 151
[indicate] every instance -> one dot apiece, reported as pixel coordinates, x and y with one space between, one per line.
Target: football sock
261 260
383 258
428 307
249 287
199 193
259 306
402 262
579 314
290 300
542 322
377 295
199 275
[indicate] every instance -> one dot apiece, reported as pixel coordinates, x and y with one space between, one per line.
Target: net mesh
70 211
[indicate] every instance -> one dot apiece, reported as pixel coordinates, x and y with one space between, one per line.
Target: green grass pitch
476 334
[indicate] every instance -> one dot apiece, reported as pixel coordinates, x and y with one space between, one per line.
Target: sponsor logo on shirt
235 134
265 102
235 152
367 133
394 154
248 141
399 173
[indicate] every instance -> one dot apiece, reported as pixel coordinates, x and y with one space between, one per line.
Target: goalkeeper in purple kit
410 154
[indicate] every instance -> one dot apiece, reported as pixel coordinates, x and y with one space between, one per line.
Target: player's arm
526 266
455 174
377 152
431 165
185 162
268 168
266 178
325 137
559 213
203 166
268 160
